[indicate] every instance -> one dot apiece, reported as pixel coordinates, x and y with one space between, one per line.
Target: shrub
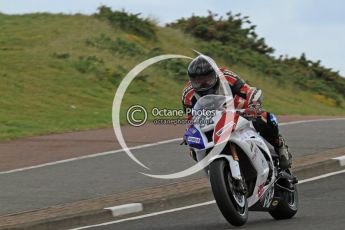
175 69
116 76
130 23
118 46
155 51
315 77
88 64
96 66
233 30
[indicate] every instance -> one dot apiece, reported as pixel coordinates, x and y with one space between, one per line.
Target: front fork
234 163
234 166
236 170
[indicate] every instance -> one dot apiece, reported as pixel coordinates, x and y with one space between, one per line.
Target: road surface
116 173
322 206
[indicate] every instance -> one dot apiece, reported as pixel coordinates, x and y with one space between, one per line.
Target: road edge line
192 206
94 155
327 167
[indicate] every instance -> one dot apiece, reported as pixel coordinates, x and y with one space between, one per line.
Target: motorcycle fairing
194 138
252 145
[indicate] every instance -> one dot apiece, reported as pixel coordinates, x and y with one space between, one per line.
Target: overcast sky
316 27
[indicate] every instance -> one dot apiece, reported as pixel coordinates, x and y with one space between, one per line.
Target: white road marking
341 160
321 176
191 206
88 156
124 209
137 147
148 215
310 121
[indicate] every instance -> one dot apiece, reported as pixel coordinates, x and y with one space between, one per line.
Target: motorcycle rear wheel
224 194
287 206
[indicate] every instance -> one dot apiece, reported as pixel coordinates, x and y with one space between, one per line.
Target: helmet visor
204 82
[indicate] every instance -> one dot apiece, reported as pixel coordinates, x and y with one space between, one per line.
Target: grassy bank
59 73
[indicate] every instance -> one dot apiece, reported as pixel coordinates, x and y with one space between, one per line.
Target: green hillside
60 72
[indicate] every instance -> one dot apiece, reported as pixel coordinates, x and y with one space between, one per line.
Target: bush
96 66
175 69
233 30
88 64
155 52
130 23
118 46
116 76
315 77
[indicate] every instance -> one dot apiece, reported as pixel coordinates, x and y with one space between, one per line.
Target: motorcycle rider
204 81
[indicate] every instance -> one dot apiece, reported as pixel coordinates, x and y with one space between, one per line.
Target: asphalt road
105 175
322 206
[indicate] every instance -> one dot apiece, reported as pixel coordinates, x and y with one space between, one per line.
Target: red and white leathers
244 96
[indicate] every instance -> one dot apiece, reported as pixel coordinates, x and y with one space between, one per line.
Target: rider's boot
285 157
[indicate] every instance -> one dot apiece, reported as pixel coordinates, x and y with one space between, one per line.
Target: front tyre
232 204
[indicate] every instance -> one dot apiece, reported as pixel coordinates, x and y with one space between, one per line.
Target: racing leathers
245 96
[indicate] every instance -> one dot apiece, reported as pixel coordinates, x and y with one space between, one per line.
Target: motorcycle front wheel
232 204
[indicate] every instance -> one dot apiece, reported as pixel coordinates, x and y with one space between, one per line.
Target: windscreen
211 102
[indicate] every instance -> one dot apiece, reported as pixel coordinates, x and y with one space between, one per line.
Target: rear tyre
287 206
225 194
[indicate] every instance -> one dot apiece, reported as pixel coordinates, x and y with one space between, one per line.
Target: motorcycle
244 174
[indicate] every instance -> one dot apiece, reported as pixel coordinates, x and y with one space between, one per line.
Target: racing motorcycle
244 170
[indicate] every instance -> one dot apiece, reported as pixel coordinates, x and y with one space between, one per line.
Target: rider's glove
256 105
250 112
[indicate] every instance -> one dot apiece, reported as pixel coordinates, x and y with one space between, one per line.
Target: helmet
202 74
